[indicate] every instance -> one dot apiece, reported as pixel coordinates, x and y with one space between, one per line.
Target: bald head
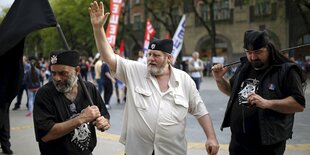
195 55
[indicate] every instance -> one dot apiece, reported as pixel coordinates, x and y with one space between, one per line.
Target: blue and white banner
178 38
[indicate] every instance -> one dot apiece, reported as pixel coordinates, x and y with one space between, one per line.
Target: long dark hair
275 57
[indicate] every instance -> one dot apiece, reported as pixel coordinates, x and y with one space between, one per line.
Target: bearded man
64 119
159 97
265 92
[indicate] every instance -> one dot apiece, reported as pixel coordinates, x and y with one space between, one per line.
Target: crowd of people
68 110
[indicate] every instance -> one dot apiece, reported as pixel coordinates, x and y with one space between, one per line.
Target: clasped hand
256 100
92 114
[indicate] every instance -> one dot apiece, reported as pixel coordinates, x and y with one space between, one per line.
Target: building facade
282 19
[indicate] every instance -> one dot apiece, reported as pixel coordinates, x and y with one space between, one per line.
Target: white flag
178 39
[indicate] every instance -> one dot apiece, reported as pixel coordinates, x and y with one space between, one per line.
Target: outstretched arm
98 18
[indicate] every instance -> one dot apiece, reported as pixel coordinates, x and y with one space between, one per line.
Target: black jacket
274 126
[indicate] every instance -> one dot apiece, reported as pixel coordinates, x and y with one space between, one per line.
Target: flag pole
281 51
295 47
63 38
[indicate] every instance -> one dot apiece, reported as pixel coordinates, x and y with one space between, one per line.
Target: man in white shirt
195 68
159 97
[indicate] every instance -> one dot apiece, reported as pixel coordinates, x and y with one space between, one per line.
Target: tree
166 13
209 25
72 15
125 30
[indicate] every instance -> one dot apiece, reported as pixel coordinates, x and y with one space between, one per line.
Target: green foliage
3 13
72 15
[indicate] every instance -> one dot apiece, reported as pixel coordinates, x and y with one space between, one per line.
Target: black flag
23 17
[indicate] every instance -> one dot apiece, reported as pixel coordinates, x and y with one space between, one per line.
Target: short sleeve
294 87
43 114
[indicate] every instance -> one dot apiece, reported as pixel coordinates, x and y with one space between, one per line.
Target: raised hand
97 15
219 71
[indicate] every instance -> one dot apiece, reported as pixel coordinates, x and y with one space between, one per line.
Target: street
23 138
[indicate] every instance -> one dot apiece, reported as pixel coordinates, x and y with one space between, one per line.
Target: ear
170 58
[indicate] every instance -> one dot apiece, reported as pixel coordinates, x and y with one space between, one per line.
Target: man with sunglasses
64 119
260 111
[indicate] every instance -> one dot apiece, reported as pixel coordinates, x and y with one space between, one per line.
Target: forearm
286 105
191 68
223 85
109 76
61 129
206 123
103 46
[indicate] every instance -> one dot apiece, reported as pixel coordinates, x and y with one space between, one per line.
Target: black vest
274 126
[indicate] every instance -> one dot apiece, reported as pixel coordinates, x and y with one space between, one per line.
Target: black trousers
248 148
20 95
108 91
5 125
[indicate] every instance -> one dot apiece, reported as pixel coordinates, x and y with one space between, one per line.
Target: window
204 11
136 2
240 3
304 40
221 10
307 38
262 8
137 22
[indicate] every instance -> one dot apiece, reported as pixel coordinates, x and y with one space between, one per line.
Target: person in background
107 81
92 68
195 68
64 118
23 86
159 97
119 85
98 65
84 69
141 57
33 81
262 104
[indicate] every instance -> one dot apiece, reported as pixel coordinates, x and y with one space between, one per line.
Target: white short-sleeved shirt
155 120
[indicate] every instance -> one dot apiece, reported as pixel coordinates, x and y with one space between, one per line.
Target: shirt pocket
180 108
175 112
142 98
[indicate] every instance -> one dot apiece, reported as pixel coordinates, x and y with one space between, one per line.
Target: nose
252 56
56 76
150 58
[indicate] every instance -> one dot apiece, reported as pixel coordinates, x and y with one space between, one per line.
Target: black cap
254 40
69 58
164 45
